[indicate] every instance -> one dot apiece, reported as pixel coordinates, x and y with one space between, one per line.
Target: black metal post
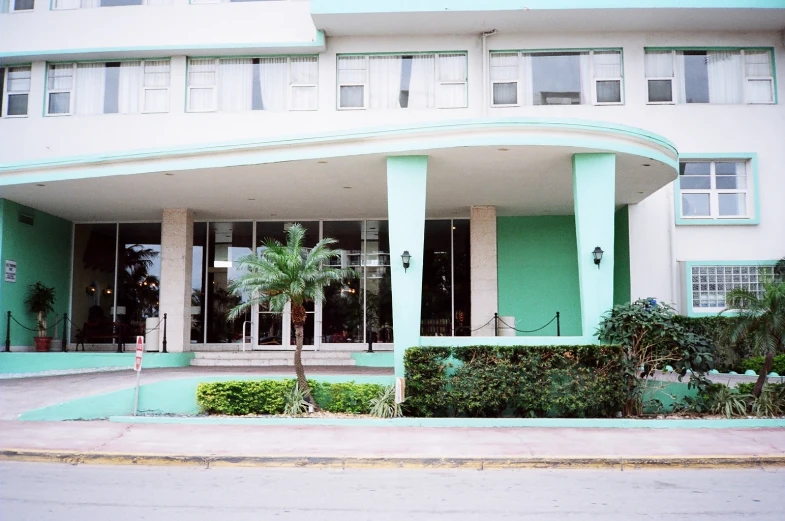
495 324
164 342
8 333
65 332
117 337
558 324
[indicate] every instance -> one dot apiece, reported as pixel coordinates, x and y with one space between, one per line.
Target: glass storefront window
198 272
436 317
376 282
138 276
342 310
461 276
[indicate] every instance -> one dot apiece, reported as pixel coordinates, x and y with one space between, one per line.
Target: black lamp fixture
90 290
406 258
597 256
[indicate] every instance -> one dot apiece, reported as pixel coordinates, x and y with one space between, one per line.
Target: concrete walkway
350 446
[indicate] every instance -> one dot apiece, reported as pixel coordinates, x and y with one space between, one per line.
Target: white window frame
524 81
213 87
439 83
677 79
761 272
71 91
12 8
365 84
78 6
8 93
714 192
145 88
292 86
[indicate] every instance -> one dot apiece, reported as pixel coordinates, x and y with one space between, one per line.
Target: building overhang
521 165
427 17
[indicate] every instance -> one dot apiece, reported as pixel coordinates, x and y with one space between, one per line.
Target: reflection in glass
695 205
228 242
197 283
556 78
437 280
342 311
696 76
377 283
461 276
138 276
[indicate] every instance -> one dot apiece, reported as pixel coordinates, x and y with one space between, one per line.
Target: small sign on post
400 394
138 369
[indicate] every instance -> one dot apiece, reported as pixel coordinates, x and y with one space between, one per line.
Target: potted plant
41 302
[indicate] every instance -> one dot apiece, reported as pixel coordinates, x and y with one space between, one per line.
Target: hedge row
586 381
726 355
756 364
242 397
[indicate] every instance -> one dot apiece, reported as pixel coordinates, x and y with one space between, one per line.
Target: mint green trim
175 396
462 341
594 189
19 363
319 7
752 157
380 359
317 45
406 188
402 53
348 143
246 56
559 49
688 281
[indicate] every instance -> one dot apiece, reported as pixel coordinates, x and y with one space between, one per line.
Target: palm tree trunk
768 363
298 319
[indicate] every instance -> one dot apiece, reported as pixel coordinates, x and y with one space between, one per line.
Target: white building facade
498 144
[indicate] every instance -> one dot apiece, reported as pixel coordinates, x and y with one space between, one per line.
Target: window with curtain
244 84
402 81
14 91
714 189
128 87
707 76
61 5
556 78
22 5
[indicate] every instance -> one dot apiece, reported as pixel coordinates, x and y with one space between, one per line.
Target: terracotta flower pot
42 343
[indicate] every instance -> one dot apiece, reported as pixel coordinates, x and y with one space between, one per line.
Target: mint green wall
42 253
538 273
39 362
621 269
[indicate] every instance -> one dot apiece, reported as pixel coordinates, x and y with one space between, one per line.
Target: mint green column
406 176
594 191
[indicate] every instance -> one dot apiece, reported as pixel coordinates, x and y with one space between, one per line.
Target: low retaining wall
381 359
24 363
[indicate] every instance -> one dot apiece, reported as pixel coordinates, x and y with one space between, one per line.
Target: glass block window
711 284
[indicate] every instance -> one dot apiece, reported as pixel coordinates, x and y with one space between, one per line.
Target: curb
330 462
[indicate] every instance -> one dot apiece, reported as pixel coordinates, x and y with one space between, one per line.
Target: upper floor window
229 1
86 4
243 84
689 76
715 190
21 5
710 284
14 91
108 87
402 81
556 78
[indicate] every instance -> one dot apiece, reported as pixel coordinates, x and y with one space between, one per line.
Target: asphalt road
42 492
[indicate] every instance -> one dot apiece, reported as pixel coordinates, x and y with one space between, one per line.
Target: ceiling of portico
519 180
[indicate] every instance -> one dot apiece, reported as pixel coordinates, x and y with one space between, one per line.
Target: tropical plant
383 405
40 301
761 319
728 402
771 402
289 273
295 402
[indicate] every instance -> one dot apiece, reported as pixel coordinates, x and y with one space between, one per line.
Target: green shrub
521 381
726 354
756 364
244 397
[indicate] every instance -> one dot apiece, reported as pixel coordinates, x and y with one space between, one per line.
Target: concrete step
261 362
272 355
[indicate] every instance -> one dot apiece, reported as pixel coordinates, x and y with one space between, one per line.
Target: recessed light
640 192
251 199
502 149
322 162
347 187
40 184
169 174
646 164
273 215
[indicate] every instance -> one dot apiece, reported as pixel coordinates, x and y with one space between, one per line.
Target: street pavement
46 492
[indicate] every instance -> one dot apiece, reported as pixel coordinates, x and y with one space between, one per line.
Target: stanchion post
495 324
558 324
164 342
65 332
8 332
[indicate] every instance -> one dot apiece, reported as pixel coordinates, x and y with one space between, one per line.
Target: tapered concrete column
406 178
594 191
483 269
177 241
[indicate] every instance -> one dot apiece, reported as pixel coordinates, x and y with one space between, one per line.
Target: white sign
400 390
139 353
10 271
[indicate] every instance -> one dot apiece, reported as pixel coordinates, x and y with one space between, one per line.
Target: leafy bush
521 381
383 405
756 364
720 399
726 354
271 396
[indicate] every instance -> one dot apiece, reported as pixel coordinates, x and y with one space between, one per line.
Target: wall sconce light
90 290
597 256
406 258
108 290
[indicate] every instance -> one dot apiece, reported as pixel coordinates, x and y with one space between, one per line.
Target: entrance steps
270 358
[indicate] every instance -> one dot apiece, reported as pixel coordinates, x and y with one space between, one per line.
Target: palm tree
762 320
285 273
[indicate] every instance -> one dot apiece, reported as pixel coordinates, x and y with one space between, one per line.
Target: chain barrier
528 331
47 328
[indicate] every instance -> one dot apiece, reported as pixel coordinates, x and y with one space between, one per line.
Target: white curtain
235 85
452 80
131 80
658 64
586 79
201 85
680 89
607 65
65 4
156 83
351 71
385 82
505 78
758 65
305 78
274 82
90 88
422 86
725 77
